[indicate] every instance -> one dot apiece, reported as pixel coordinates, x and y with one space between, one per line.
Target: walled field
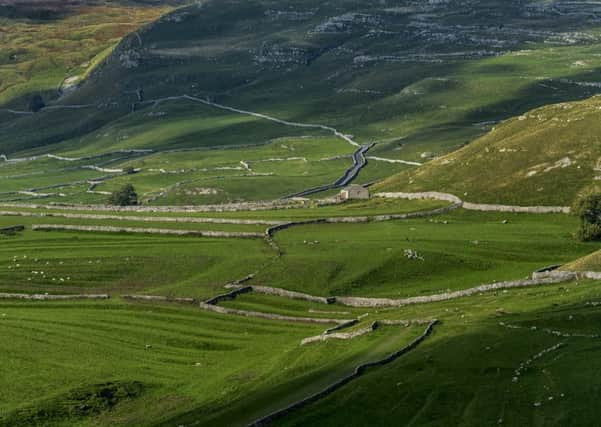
175 364
222 299
459 250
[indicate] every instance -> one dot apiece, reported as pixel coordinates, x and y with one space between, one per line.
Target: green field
381 312
173 364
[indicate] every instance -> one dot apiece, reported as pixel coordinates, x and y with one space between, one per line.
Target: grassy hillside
544 157
49 46
419 78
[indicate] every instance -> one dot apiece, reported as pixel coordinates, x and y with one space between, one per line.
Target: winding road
359 162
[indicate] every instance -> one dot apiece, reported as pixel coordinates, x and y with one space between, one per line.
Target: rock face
346 23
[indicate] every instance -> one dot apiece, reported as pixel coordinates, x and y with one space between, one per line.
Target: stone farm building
354 192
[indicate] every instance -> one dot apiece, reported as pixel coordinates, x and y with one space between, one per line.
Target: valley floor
325 290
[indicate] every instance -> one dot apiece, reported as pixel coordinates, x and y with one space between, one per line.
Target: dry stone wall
567 275
342 326
157 298
164 231
10 230
388 302
285 294
475 206
359 370
538 279
46 297
139 218
516 209
341 335
268 316
333 334
226 207
230 295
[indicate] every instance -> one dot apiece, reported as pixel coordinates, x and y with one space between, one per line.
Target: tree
36 103
125 196
588 209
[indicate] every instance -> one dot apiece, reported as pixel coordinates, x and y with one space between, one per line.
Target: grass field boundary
538 279
47 297
474 206
136 230
359 370
333 333
224 207
268 316
140 218
159 298
284 293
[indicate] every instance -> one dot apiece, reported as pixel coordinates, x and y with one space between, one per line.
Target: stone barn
354 192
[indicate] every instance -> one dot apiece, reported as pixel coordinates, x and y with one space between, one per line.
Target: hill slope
417 77
49 45
544 157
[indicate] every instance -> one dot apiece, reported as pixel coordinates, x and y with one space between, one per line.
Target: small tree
588 209
36 103
125 196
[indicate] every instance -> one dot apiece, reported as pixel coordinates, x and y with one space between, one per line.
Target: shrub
588 209
36 103
125 196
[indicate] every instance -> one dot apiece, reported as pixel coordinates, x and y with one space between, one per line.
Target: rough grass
544 157
590 262
45 44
